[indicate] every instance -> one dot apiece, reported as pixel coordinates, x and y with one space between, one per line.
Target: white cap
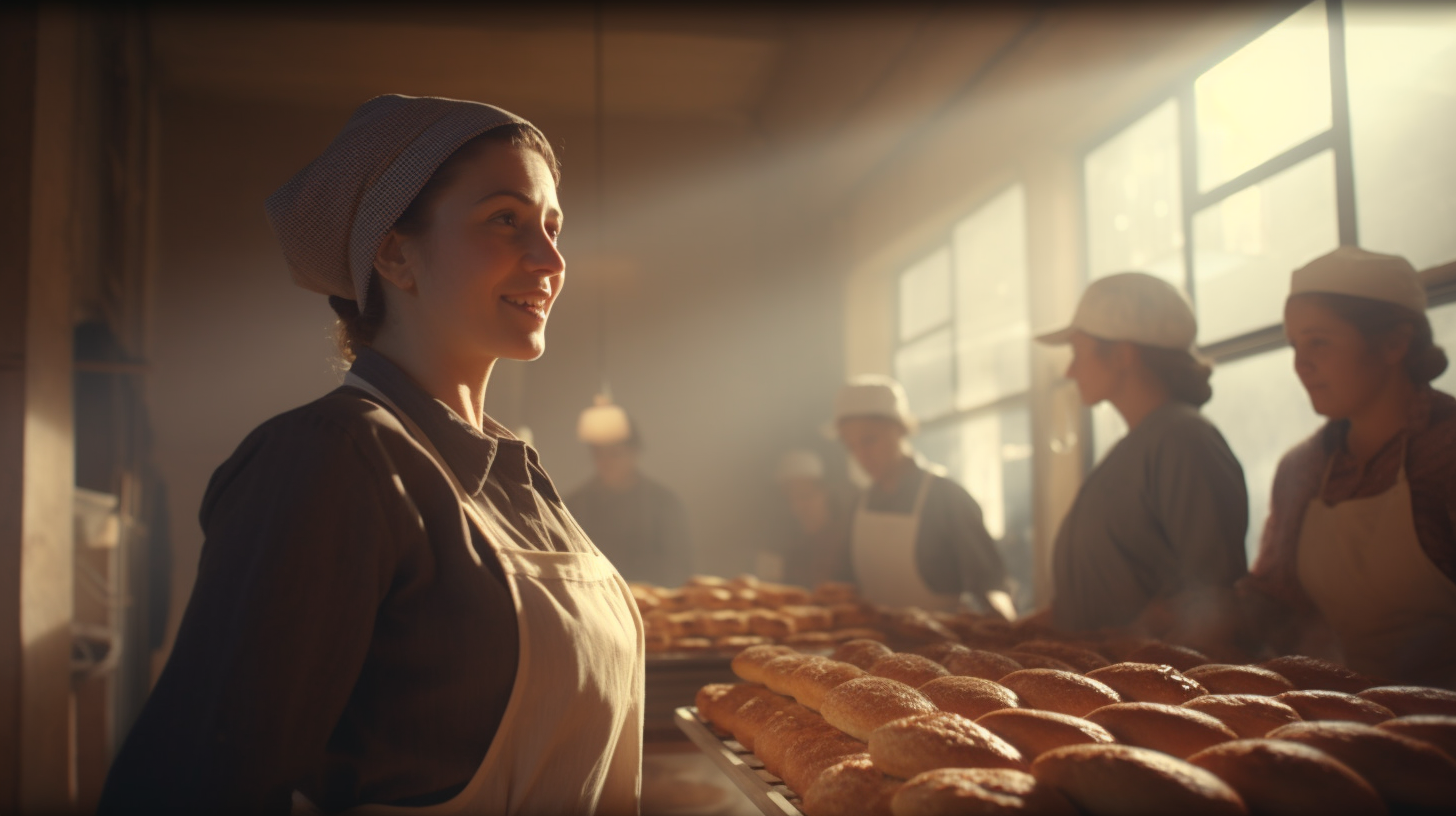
873 395
603 423
1355 272
1132 306
799 464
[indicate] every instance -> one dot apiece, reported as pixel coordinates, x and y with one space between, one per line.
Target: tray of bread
712 616
1116 726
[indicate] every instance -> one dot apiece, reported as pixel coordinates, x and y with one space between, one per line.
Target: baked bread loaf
969 696
914 745
753 715
1059 691
737 643
1310 673
1334 705
833 592
749 663
1148 683
861 652
1407 700
1034 732
852 787
809 757
768 623
1281 778
861 705
918 626
1248 715
692 644
1081 660
852 615
811 640
777 671
807 617
1407 773
1226 678
775 596
1181 658
718 703
724 622
846 635
940 651
910 669
811 681
1129 781
1032 660
783 731
1171 729
1434 729
980 663
978 792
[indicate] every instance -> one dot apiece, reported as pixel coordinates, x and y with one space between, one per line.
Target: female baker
1154 541
1361 536
394 612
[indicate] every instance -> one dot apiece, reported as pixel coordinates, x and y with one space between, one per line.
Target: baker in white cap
394 611
917 538
1361 537
1154 541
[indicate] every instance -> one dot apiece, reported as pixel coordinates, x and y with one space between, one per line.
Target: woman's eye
507 218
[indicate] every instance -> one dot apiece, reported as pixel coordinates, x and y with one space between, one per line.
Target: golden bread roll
1407 773
782 730
861 652
645 598
914 745
711 581
846 635
1034 732
1407 700
1128 781
719 705
833 592
1149 683
989 633
980 663
749 663
1248 715
969 696
853 787
1181 658
810 640
809 758
707 598
1033 660
672 600
692 644
1080 659
724 622
852 615
919 627
707 698
779 595
807 617
658 641
1227 678
737 643
1334 705
685 624
753 715
743 581
1434 729
1171 729
940 651
776 672
910 669
1059 691
743 599
978 792
1310 674
1280 778
861 705
811 681
768 623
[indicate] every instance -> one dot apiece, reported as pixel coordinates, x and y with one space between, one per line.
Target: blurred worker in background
916 538
638 523
1155 538
819 514
1361 537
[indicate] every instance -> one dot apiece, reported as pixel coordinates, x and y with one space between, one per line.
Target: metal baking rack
767 792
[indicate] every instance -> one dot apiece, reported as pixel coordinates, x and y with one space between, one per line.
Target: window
964 359
1333 127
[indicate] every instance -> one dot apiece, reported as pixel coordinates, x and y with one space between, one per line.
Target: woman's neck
1380 420
460 384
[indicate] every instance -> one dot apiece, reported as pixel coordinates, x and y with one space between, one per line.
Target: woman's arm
299 553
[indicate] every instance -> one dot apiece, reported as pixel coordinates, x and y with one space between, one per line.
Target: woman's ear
395 261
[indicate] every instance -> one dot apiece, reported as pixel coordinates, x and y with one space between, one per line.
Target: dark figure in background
635 521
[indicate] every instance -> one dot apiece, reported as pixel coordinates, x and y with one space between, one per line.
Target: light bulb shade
603 424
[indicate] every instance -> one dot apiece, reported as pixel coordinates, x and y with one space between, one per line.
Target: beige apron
570 741
883 548
1362 564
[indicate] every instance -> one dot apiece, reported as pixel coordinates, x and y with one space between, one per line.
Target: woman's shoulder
342 415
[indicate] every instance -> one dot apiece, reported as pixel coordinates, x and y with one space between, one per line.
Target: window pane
990 456
925 295
1262 411
992 328
1135 200
1245 247
1401 62
1271 95
1443 325
1108 428
924 368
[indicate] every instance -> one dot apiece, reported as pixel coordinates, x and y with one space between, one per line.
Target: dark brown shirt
340 640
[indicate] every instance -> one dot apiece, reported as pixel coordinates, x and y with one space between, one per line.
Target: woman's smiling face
483 276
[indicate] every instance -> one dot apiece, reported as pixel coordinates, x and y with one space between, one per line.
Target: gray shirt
643 530
1164 513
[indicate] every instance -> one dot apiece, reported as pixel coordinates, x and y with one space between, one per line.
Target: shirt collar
1417 419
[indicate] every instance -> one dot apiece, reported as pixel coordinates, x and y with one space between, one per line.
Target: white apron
570 741
882 547
1362 564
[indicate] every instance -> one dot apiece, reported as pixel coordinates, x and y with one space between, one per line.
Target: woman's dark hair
1183 373
1377 320
356 329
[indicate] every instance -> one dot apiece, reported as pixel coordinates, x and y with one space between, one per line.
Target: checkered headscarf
331 217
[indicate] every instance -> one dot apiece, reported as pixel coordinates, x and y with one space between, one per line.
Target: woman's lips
536 307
